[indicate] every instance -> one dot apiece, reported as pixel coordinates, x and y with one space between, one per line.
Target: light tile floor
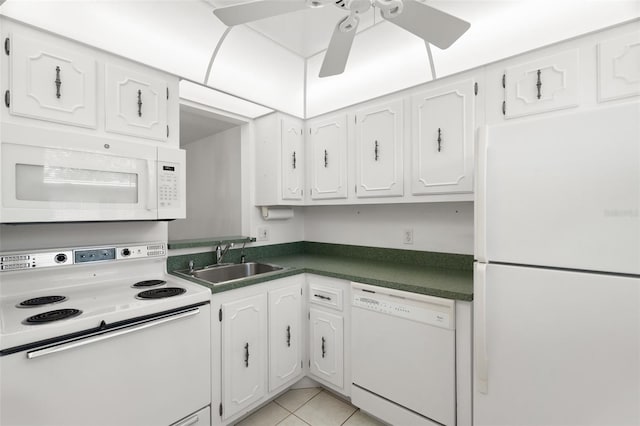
309 407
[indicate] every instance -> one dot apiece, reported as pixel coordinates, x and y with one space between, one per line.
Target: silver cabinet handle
246 355
139 103
375 151
324 351
326 158
539 84
294 159
439 140
58 82
109 335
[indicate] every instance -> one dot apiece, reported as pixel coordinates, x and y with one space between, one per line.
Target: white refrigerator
557 272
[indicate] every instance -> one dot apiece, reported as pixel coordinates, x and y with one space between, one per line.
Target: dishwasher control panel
439 315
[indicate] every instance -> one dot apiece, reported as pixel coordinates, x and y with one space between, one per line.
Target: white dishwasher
403 356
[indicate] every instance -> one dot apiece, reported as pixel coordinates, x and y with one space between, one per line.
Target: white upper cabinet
136 103
442 139
546 84
379 143
327 157
280 161
619 67
49 82
291 131
285 335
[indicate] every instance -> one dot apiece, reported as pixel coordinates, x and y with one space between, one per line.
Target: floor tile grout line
352 414
282 406
302 420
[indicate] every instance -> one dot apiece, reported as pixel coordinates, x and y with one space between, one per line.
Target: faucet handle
191 266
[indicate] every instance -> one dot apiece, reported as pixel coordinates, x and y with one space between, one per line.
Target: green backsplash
412 257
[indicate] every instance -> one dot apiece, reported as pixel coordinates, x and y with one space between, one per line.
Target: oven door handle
83 342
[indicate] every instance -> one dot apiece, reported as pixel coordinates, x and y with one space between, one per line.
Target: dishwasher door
403 350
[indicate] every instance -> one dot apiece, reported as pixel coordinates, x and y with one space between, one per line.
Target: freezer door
555 347
562 191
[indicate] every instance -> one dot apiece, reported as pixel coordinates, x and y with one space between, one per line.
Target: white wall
58 235
439 227
213 188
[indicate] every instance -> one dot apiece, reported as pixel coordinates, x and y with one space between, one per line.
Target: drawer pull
376 151
246 355
288 336
294 159
539 85
439 140
326 159
323 347
320 296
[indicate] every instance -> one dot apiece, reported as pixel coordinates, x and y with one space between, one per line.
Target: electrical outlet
407 236
263 234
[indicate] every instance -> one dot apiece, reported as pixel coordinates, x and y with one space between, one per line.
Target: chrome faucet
221 252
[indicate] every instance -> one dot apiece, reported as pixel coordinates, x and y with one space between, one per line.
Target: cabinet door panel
542 85
328 158
136 103
243 352
442 126
619 67
285 354
53 84
379 142
327 347
292 159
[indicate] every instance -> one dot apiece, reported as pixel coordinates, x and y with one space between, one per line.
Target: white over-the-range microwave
54 176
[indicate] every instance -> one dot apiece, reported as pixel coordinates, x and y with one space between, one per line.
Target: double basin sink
221 274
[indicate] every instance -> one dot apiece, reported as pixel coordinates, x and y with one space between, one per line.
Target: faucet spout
221 252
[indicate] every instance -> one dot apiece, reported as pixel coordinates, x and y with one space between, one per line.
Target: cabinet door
542 85
326 346
292 159
619 67
136 103
442 140
379 151
285 337
244 346
51 83
328 158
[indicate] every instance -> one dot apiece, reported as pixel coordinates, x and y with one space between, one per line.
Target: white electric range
101 336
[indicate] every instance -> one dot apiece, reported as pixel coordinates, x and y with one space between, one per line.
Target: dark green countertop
434 281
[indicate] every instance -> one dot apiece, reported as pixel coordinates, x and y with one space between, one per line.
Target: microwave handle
150 189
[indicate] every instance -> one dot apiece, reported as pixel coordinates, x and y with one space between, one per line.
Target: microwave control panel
168 183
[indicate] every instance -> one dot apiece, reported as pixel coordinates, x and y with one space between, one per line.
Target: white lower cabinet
285 335
326 346
244 345
199 418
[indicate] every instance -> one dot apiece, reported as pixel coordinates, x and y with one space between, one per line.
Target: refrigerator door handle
480 329
480 215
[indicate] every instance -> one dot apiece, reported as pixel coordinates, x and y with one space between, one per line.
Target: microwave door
103 182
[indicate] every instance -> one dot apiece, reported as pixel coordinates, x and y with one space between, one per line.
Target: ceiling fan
432 25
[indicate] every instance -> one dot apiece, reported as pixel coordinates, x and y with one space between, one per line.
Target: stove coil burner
160 293
50 316
149 283
40 301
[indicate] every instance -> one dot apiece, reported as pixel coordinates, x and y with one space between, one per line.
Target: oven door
68 177
152 373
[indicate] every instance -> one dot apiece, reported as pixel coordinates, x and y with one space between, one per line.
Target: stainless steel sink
222 274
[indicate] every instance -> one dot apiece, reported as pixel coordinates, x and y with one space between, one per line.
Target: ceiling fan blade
335 58
432 25
253 11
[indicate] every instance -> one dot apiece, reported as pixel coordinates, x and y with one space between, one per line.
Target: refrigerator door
555 347
562 191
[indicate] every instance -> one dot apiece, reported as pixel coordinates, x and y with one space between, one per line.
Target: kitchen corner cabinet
136 103
285 335
280 161
544 84
442 140
379 143
50 82
327 157
244 345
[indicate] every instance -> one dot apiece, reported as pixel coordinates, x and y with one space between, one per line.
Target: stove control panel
24 261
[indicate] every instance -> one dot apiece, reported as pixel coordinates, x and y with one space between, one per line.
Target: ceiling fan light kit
430 24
